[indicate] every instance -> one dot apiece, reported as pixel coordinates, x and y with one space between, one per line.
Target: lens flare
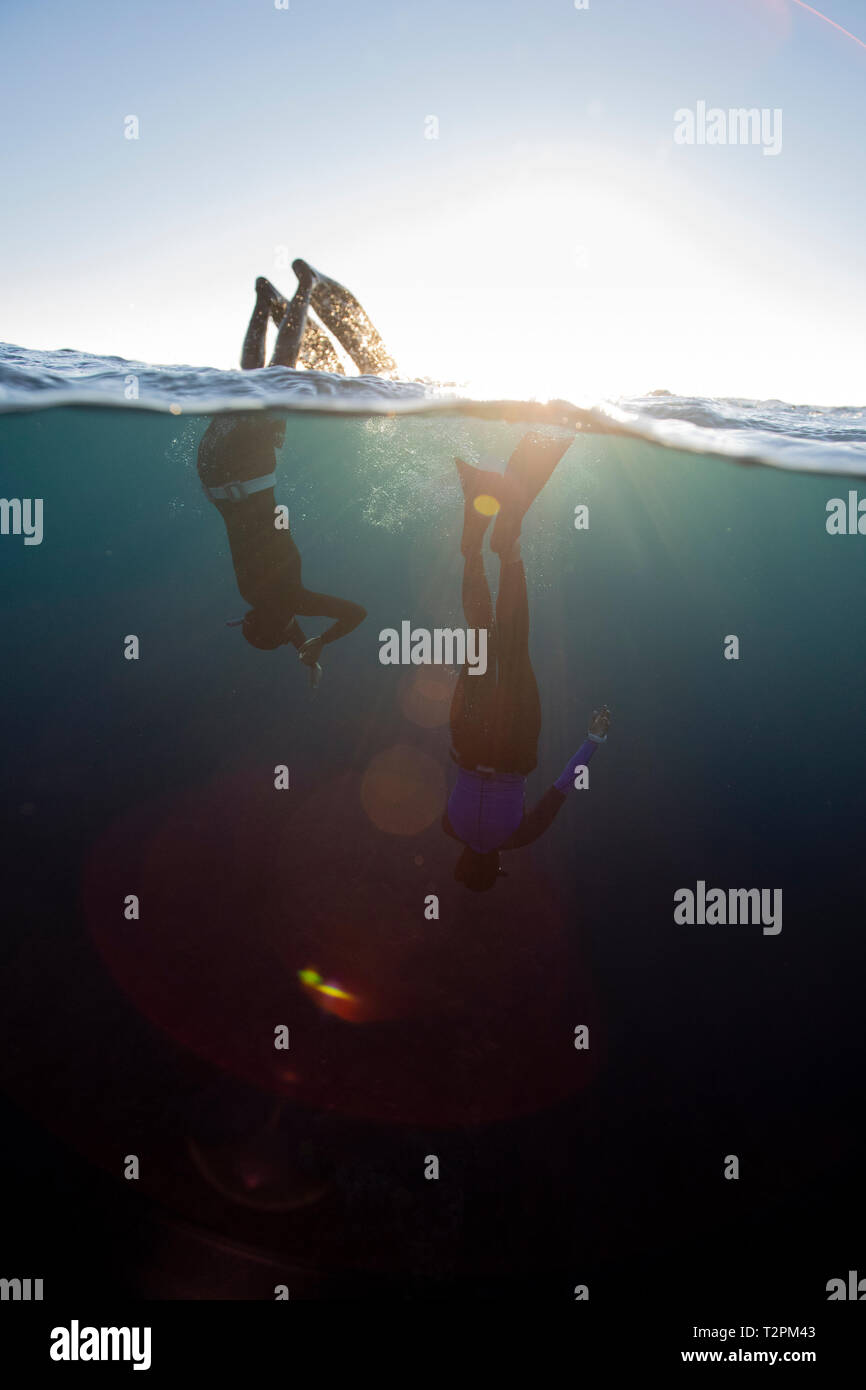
827 20
334 992
485 504
425 695
403 790
332 997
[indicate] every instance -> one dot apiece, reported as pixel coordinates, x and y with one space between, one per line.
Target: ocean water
451 1037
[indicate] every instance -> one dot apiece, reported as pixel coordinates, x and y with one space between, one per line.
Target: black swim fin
529 468
477 483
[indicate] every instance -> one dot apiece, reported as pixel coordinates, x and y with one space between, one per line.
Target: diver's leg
253 350
279 303
512 608
477 602
291 331
518 713
473 704
317 353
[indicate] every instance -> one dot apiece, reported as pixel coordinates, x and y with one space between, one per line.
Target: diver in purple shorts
496 717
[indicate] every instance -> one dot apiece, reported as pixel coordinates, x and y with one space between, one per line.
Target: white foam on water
798 437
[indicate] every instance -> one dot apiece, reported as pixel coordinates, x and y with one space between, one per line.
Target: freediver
496 717
237 464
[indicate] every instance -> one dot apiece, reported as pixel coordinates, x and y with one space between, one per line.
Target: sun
543 283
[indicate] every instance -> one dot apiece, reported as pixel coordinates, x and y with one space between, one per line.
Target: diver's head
478 872
266 630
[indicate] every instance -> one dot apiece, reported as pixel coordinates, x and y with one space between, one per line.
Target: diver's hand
600 722
310 652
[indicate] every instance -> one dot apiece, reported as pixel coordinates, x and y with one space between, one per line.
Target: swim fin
343 316
529 468
484 487
318 353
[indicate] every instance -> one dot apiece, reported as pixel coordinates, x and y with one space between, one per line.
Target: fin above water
318 353
346 318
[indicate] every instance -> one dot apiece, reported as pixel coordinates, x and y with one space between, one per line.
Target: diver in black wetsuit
237 465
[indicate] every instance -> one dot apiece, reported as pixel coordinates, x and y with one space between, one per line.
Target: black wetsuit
267 563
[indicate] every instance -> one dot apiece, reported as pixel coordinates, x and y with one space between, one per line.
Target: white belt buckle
235 492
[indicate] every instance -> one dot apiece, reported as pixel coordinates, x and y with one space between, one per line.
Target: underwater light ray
832 22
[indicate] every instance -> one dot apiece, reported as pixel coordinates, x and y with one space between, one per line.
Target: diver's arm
297 636
352 617
349 615
536 821
542 815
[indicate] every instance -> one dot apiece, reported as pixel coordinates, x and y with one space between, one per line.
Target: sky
499 181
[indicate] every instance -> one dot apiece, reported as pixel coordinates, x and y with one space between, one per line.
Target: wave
803 438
